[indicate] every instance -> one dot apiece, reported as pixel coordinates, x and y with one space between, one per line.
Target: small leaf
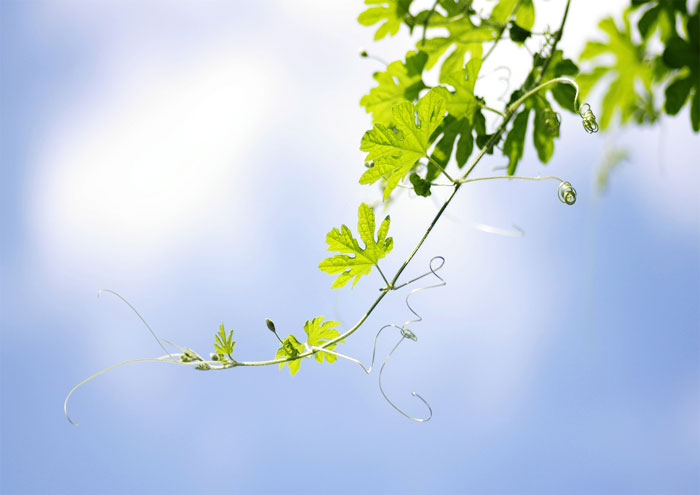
390 14
224 343
291 348
420 186
517 33
318 333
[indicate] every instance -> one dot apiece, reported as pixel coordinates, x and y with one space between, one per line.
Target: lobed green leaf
363 259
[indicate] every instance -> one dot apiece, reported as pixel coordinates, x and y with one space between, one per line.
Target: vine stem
457 184
502 30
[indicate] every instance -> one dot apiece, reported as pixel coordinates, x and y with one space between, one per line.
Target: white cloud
150 157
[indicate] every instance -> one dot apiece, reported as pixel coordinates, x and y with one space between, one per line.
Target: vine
420 134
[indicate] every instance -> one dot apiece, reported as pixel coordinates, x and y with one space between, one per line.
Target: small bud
213 356
270 325
363 54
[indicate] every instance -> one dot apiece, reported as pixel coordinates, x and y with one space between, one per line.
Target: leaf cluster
639 68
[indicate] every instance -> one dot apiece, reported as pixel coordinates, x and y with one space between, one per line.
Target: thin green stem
475 179
501 31
441 168
427 20
388 285
485 107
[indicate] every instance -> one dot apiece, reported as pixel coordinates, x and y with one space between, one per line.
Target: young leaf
224 343
420 186
394 152
390 13
291 348
517 33
401 81
318 333
343 241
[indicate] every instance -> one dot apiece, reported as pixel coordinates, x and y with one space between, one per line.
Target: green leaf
318 333
224 343
401 81
463 35
514 145
630 70
525 16
390 13
463 102
343 242
394 152
462 107
517 33
648 21
291 348
543 134
420 186
502 11
565 67
676 94
564 95
482 140
678 53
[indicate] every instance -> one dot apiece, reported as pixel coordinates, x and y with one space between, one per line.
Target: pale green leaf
353 260
401 81
390 13
318 333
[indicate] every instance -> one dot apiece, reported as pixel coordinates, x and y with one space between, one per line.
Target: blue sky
192 157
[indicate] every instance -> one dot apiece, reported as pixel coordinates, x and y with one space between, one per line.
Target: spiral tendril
566 193
589 120
435 264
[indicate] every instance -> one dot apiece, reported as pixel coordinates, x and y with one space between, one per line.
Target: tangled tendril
589 121
566 193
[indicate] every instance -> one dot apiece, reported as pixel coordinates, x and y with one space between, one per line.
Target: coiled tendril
589 121
566 193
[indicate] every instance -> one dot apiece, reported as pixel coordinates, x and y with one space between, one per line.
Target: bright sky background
193 155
